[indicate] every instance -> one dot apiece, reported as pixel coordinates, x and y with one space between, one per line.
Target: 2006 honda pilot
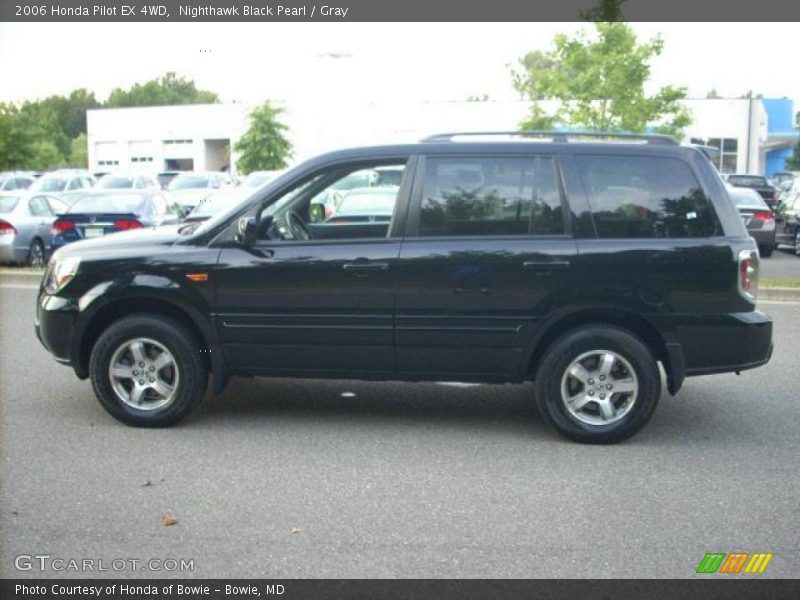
575 261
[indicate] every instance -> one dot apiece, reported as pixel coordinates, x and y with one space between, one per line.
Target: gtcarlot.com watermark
58 564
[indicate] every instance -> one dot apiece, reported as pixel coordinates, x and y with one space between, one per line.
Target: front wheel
797 242
148 371
599 384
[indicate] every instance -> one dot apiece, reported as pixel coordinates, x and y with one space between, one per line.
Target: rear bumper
762 237
10 253
722 343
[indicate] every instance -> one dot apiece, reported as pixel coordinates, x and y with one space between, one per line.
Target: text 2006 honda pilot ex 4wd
579 265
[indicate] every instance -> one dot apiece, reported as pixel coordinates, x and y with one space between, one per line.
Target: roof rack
559 136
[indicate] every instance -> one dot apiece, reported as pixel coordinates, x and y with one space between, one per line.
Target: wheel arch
668 354
122 307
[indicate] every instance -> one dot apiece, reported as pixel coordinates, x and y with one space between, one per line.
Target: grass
779 282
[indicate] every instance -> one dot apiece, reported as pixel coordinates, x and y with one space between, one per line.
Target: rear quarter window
646 197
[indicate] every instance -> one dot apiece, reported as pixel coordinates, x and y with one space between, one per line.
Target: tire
619 414
765 251
797 243
36 257
167 392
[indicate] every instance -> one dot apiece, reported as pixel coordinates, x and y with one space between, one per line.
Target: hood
135 241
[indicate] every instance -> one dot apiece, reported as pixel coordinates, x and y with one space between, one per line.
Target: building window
141 159
728 148
107 163
177 141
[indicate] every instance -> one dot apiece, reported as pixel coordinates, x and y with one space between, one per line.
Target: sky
251 62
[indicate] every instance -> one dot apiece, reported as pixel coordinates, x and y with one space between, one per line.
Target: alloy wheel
144 374
599 387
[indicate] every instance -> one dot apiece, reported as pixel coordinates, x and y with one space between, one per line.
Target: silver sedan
25 221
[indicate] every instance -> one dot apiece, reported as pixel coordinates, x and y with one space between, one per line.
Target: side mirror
316 212
246 231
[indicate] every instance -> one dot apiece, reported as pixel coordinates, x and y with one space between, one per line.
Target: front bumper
55 325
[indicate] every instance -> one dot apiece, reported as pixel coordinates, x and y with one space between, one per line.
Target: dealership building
754 135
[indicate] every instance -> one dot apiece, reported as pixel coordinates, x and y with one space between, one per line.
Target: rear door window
481 196
646 197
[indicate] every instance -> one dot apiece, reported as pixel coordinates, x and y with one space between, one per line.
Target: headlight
60 273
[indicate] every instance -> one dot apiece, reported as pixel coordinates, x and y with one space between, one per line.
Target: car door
317 306
487 250
41 217
787 220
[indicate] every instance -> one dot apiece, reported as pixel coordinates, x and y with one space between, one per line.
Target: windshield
115 183
188 182
108 203
749 180
7 203
49 184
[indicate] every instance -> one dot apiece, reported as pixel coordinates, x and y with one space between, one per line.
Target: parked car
580 266
67 184
759 184
782 178
218 201
787 220
25 220
187 189
256 179
165 177
756 216
101 212
16 180
123 181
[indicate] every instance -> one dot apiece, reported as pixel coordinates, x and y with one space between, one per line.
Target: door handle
545 266
363 270
365 267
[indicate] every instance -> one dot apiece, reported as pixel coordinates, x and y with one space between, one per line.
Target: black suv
578 262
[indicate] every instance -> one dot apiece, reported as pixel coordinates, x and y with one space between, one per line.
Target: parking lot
282 478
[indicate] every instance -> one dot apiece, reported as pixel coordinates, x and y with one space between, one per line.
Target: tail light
126 224
61 227
748 274
7 228
767 217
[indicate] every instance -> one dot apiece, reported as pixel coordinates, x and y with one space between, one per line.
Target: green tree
597 82
28 138
78 155
793 163
606 11
264 145
169 90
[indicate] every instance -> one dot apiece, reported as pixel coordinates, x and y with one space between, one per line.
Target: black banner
392 10
364 589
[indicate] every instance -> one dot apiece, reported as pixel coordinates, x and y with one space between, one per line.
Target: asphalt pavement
291 479
783 264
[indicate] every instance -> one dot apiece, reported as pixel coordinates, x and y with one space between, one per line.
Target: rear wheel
148 371
36 254
600 384
765 251
797 243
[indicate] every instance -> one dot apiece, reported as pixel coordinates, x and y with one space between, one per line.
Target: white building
754 135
